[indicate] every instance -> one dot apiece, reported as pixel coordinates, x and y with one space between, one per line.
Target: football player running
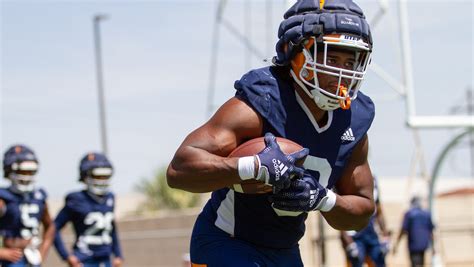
364 246
91 212
23 208
311 96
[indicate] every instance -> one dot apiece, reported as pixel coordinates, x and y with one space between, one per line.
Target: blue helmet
95 171
313 28
20 165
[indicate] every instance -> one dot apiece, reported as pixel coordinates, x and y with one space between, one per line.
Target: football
253 147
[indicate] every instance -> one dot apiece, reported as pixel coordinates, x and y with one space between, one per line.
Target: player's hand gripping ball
253 147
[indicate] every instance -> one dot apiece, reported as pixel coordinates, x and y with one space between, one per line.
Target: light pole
100 83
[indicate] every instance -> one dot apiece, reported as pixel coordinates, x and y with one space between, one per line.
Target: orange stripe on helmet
198 265
332 38
299 60
321 4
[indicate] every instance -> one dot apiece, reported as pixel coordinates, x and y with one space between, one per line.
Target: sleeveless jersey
250 217
23 213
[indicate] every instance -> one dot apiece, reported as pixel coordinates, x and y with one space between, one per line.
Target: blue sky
156 57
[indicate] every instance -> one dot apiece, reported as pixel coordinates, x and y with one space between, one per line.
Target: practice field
163 240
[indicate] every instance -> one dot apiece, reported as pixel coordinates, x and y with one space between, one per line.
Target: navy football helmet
95 171
20 166
313 28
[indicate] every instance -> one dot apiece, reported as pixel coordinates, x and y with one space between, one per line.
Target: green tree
160 196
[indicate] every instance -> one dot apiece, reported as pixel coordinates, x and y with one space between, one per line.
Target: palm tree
160 196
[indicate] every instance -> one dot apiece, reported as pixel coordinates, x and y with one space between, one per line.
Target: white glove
352 250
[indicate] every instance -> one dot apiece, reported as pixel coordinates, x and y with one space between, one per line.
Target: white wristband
246 167
328 202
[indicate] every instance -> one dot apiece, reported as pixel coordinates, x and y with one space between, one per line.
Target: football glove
304 194
275 167
352 250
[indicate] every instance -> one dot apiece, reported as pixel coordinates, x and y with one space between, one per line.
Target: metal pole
470 112
322 241
214 57
247 32
100 83
406 58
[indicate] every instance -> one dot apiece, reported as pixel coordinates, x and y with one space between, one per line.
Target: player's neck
321 116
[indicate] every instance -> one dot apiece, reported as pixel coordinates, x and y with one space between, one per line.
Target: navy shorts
212 247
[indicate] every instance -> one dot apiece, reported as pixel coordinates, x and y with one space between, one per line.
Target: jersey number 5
29 222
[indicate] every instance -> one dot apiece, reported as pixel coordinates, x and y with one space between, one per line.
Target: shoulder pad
74 198
40 194
260 89
5 194
364 102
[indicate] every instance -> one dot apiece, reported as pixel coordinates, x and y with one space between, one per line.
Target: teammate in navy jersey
418 226
310 95
364 245
91 212
23 208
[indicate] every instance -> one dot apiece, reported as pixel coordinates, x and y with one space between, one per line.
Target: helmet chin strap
321 100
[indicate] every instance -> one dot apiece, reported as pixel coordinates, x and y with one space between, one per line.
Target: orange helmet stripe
299 60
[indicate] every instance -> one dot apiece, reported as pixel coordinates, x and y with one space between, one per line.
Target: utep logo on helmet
349 21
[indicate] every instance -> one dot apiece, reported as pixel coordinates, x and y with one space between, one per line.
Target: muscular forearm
48 238
196 170
350 213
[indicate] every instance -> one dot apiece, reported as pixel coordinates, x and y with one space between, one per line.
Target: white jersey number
319 165
100 227
30 223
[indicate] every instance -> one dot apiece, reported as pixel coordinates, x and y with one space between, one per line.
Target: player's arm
200 163
380 219
62 218
116 249
348 244
403 231
11 254
345 239
48 234
3 208
354 201
400 235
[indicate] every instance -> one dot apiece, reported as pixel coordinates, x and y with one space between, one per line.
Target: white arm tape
246 167
328 202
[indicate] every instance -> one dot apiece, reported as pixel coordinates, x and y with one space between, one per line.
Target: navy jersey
419 226
23 213
94 226
270 93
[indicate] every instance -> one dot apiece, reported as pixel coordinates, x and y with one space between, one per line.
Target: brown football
251 148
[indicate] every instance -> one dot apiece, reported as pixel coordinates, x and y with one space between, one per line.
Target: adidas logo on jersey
280 168
348 135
